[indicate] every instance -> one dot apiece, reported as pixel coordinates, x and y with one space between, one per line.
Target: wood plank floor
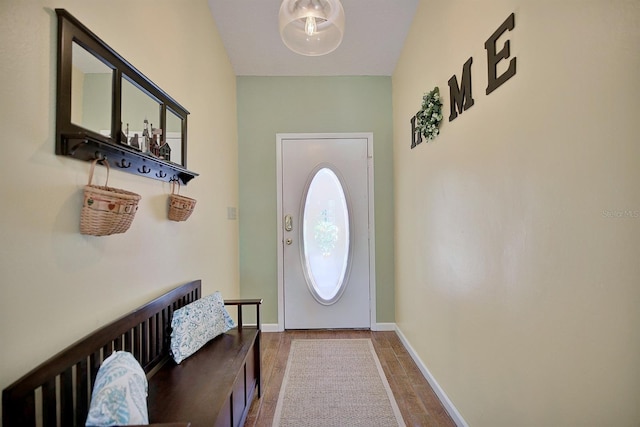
418 403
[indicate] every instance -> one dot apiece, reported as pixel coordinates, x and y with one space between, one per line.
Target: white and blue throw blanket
119 395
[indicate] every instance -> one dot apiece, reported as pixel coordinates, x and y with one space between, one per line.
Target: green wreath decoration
429 117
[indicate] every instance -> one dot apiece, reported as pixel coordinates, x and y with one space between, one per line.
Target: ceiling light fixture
311 27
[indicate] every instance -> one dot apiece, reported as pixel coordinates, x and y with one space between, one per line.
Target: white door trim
280 237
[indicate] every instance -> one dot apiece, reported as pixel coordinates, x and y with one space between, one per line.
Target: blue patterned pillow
119 394
197 323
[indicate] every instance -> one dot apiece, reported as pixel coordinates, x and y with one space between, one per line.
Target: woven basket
106 210
180 207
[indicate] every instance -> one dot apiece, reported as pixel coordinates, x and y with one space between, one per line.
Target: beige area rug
335 382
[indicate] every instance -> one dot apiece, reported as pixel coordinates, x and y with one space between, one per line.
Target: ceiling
375 31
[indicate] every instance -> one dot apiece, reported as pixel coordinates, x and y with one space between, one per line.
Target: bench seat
213 387
193 390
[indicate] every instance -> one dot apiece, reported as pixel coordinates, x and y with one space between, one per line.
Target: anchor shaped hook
161 174
99 156
75 147
123 164
145 169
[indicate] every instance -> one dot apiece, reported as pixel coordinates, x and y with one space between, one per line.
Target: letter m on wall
460 95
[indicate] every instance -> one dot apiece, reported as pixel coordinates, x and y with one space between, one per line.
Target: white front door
324 224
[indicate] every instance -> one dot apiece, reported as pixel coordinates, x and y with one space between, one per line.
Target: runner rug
335 382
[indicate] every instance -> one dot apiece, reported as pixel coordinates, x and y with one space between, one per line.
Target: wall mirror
140 115
106 108
91 91
174 133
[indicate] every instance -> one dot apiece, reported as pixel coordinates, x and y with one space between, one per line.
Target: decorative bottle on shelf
144 144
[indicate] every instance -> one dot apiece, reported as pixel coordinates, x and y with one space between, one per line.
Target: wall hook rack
84 146
104 136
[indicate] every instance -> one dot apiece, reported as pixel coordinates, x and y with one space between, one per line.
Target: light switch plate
231 212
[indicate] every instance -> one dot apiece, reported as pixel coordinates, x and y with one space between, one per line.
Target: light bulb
310 25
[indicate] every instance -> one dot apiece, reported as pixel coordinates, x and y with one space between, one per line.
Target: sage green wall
271 105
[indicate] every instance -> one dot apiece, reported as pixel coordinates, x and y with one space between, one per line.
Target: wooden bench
213 387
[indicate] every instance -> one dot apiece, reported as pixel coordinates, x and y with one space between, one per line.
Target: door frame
280 234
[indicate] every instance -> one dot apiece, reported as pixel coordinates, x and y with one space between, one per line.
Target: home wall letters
462 99
460 93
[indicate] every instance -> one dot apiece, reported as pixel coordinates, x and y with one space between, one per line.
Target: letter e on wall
494 57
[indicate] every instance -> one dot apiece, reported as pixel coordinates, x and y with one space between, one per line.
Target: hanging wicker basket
106 210
180 207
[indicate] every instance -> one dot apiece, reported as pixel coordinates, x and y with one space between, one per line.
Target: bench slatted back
59 390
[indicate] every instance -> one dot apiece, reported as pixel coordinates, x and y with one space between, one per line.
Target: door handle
288 223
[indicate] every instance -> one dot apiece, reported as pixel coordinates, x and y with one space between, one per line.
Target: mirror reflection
91 91
140 119
174 136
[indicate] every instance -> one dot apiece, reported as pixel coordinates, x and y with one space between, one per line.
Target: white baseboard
384 327
448 405
271 327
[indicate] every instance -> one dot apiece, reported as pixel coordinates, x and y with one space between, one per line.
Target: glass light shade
311 27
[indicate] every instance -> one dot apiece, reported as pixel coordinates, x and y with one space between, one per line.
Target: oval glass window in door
325 236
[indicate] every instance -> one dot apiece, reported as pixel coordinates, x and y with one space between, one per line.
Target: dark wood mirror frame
85 144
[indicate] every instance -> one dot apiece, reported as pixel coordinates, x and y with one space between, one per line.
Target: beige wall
518 228
58 285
